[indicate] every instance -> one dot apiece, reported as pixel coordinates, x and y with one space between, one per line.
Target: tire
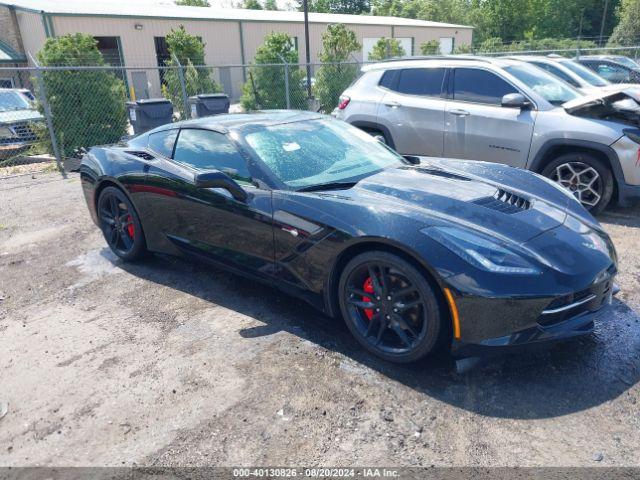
574 170
399 319
120 225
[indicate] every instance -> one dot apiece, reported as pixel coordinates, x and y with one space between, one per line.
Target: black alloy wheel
390 307
120 224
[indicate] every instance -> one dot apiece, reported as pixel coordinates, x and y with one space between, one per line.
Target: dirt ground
172 363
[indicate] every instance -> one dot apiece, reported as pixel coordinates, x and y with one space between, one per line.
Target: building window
109 47
6 83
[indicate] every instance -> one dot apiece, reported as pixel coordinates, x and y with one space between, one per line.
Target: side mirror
516 100
218 179
412 159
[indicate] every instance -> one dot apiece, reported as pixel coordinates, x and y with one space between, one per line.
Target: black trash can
149 113
209 104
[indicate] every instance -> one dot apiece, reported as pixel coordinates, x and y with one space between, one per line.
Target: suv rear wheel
588 178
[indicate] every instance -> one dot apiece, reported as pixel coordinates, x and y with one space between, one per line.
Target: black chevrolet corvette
412 252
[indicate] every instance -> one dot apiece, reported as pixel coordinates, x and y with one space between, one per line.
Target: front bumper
505 324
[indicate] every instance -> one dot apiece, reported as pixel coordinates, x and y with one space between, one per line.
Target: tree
87 106
386 48
430 47
193 3
627 32
338 43
189 52
252 5
271 5
265 87
351 7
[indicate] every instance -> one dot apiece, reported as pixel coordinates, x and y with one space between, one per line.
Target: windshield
320 151
544 84
626 61
10 100
586 74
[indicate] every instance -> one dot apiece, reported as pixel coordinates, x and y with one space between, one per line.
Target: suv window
552 69
421 81
162 142
613 73
388 79
480 86
207 150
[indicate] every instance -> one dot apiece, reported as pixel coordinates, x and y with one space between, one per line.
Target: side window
162 142
480 86
557 72
388 79
613 73
421 81
207 150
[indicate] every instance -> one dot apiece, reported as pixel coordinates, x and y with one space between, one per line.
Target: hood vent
141 154
504 202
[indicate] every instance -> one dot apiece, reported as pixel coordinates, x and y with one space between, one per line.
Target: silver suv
505 111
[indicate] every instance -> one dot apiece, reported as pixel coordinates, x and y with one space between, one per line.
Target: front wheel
585 176
390 307
120 224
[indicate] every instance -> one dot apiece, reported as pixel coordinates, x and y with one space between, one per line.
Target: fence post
286 81
183 87
42 94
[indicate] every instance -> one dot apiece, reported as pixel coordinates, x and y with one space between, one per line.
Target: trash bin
209 104
149 113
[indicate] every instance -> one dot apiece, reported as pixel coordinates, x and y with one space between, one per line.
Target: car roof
439 60
232 121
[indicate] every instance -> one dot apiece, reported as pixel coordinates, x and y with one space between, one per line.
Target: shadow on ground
549 381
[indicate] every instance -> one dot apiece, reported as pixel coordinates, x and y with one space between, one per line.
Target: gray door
413 110
477 127
225 80
140 84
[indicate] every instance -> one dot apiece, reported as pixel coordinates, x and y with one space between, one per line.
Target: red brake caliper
368 288
130 229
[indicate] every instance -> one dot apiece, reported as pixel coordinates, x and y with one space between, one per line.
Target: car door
413 109
210 222
478 127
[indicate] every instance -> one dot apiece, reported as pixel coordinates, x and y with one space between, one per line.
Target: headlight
480 251
6 132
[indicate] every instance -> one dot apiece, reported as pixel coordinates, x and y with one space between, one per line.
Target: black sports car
412 252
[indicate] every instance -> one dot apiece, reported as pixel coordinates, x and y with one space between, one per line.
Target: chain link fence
59 110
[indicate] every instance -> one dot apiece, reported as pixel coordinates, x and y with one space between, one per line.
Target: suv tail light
344 101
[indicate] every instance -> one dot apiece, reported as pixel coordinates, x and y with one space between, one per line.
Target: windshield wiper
327 186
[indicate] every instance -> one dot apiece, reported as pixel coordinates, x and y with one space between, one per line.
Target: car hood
620 103
13 116
501 201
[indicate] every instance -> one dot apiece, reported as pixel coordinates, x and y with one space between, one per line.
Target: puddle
94 265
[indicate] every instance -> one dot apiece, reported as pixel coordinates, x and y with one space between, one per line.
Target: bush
386 48
88 106
333 78
189 50
265 87
430 47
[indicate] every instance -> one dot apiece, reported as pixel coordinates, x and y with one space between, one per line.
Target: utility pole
305 5
604 17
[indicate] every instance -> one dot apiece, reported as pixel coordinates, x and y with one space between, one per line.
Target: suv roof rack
436 57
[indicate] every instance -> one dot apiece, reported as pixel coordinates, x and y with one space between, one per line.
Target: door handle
459 113
392 104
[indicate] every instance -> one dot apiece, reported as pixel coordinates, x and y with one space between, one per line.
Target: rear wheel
120 224
390 307
378 135
585 176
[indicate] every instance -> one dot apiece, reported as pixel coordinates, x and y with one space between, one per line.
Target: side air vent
140 154
504 202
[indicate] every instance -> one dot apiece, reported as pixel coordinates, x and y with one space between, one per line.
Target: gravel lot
173 363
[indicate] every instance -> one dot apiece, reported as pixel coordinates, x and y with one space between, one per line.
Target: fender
360 244
537 162
375 126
